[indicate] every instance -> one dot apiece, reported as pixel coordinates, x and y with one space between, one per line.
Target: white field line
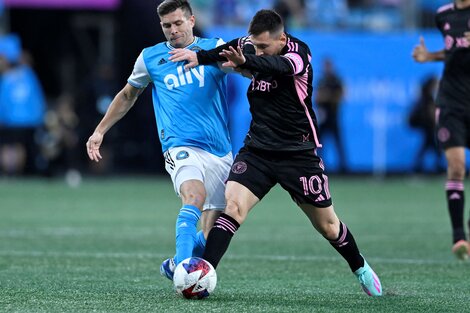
68 231
148 255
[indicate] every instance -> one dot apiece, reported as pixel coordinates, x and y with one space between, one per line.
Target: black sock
346 246
455 204
219 238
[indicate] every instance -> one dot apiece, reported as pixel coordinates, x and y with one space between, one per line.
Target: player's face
463 4
178 28
268 44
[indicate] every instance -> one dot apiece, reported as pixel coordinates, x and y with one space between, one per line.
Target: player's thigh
455 154
302 175
250 179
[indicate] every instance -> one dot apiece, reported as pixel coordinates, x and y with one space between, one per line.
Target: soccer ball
194 278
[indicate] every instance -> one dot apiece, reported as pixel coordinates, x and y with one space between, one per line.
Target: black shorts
453 127
299 172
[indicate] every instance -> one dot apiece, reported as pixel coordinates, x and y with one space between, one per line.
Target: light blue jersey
190 106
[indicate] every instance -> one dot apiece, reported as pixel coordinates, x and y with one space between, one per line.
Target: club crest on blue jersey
182 155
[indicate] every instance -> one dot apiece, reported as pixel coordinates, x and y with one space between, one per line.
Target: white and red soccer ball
194 278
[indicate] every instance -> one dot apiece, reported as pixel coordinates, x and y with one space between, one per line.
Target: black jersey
454 90
280 97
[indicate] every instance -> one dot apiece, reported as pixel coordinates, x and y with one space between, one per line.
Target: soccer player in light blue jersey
192 116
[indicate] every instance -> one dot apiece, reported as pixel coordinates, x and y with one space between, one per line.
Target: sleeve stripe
293 46
243 41
291 63
296 61
446 7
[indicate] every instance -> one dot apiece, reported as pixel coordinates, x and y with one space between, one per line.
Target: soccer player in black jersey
281 144
453 108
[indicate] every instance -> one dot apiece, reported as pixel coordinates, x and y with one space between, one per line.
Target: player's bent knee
189 181
329 230
456 172
193 196
235 211
196 200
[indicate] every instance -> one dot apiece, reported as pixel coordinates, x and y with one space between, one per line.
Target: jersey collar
195 41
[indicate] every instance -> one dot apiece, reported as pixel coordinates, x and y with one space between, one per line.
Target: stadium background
98 247
83 51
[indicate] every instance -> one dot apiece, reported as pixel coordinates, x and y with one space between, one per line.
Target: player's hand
467 36
93 146
420 52
184 55
235 57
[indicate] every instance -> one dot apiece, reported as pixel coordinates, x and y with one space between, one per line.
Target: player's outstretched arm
205 57
421 53
184 55
120 105
234 57
467 36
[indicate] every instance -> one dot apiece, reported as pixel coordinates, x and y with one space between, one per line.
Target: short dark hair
266 20
169 6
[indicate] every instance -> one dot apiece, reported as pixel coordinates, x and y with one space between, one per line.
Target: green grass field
98 248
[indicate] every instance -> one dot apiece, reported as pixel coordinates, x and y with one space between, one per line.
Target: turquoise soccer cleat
167 269
370 282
